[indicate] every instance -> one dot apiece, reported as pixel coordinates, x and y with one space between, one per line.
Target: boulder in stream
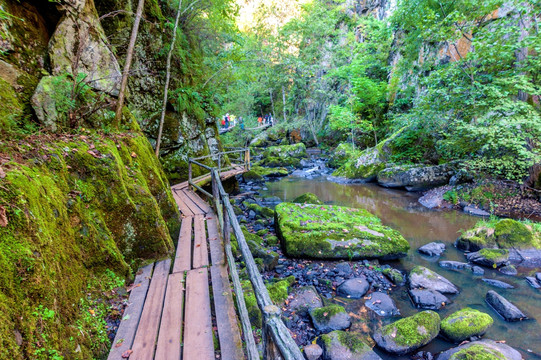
353 288
330 318
335 232
428 299
416 178
498 283
464 324
504 307
533 282
482 349
304 300
382 304
307 198
454 265
432 249
493 258
408 334
342 345
423 278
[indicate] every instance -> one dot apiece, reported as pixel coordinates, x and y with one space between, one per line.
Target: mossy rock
307 198
251 304
511 233
283 156
278 291
330 318
258 173
341 154
408 334
268 259
489 257
396 276
261 211
481 350
11 109
346 345
464 324
335 232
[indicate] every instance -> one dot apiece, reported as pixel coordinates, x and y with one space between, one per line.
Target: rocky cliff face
73 46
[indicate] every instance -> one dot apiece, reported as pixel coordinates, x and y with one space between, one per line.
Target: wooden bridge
177 308
224 130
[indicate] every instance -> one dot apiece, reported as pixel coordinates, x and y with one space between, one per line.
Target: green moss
278 291
511 233
342 154
465 323
414 330
11 109
73 213
477 352
494 254
326 231
307 198
261 211
272 240
257 173
324 314
251 304
262 232
395 275
283 156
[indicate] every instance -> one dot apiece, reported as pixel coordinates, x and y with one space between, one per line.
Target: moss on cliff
76 207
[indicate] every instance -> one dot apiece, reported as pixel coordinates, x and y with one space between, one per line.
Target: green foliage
451 196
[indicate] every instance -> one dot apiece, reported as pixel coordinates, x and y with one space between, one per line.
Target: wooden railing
277 340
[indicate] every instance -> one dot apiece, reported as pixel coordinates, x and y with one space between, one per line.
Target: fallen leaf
131 287
126 354
3 217
92 312
325 313
133 155
2 173
119 343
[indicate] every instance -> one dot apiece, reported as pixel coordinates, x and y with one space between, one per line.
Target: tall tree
129 57
167 79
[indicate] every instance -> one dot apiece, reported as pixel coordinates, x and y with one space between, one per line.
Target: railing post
227 222
270 350
247 159
189 171
219 163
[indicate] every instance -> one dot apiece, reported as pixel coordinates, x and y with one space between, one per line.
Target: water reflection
401 210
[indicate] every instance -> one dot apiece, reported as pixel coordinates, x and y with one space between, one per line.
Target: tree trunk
129 56
272 103
167 79
284 102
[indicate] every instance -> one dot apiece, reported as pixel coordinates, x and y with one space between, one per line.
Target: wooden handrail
277 340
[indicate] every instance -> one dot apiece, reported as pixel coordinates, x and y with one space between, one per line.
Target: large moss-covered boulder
408 334
51 101
307 198
415 178
258 173
335 232
341 155
481 350
346 345
464 324
285 155
11 108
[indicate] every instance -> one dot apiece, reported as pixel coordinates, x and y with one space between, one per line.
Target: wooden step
170 334
198 341
189 203
147 331
226 317
183 257
200 250
184 209
130 319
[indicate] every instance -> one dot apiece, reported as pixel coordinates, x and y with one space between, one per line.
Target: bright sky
274 13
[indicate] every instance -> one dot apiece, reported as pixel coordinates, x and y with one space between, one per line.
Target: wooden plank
192 203
226 317
198 342
215 241
183 257
184 209
200 252
203 205
189 203
130 319
147 331
170 334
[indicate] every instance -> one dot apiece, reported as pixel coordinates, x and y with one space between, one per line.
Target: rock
343 267
508 270
283 156
330 318
353 288
395 276
489 257
476 270
304 299
428 299
335 232
421 277
80 35
47 101
455 265
482 349
431 201
423 355
313 352
538 276
416 178
460 177
341 154
259 173
342 345
382 304
498 283
533 282
408 334
464 324
307 198
432 249
475 211
503 307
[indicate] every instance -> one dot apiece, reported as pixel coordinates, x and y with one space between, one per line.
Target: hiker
227 121
260 120
241 121
223 123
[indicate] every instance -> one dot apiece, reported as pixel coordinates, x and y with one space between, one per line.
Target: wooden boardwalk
178 308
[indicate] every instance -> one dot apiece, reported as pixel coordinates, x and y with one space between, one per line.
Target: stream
401 210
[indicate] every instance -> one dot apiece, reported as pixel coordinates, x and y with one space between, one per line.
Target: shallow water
400 210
